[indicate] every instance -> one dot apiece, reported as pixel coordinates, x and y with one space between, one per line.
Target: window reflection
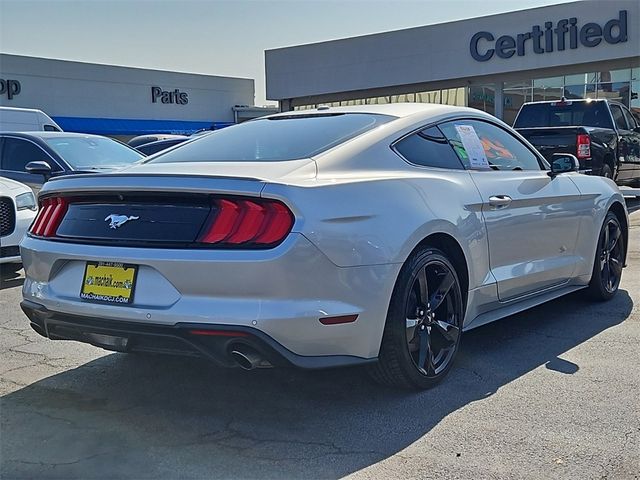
619 85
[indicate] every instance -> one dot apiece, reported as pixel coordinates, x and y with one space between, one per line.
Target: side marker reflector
338 320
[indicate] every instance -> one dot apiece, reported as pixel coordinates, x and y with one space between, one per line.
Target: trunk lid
167 205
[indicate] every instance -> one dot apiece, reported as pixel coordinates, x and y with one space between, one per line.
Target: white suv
17 211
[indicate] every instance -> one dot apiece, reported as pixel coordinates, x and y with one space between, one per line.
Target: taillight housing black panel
172 221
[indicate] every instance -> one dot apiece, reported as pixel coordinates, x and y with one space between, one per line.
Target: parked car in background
339 236
604 135
26 120
135 142
33 157
18 208
158 146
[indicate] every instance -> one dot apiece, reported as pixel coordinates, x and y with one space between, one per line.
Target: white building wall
76 89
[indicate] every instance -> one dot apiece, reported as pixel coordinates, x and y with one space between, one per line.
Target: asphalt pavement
550 393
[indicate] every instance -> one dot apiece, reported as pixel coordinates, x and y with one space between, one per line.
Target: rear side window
618 117
564 114
428 148
630 120
51 128
275 139
482 145
17 153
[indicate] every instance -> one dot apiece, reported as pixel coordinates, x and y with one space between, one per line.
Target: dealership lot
550 393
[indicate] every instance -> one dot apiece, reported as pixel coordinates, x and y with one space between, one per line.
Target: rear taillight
584 146
52 211
248 222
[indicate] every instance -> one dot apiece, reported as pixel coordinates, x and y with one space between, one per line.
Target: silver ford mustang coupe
322 238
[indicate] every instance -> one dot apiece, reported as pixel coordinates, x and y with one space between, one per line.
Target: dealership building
584 49
122 101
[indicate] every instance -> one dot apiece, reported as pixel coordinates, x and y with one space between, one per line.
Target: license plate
109 282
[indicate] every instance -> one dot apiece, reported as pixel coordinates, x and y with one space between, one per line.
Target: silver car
321 238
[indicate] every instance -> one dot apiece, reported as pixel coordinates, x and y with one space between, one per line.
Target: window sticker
473 146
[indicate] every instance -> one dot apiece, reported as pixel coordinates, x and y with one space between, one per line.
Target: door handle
499 201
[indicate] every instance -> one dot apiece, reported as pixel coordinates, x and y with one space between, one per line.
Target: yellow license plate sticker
109 282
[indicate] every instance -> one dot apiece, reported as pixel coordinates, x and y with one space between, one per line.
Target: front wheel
424 323
607 267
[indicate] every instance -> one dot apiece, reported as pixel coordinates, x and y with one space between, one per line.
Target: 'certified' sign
565 34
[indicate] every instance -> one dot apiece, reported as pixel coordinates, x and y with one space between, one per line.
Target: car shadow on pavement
159 417
10 276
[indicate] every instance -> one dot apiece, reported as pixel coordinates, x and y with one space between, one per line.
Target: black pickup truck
604 135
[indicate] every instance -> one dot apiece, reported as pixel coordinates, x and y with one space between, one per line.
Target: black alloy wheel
424 323
609 260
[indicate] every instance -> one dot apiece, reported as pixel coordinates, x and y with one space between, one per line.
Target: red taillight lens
584 146
248 222
52 211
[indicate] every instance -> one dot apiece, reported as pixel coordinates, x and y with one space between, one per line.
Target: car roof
45 135
21 109
393 109
572 100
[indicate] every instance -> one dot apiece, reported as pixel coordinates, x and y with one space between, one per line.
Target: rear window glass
568 114
275 139
92 152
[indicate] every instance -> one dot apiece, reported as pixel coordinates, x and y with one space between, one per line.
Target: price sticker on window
473 146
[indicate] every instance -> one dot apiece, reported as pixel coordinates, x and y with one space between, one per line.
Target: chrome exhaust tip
248 358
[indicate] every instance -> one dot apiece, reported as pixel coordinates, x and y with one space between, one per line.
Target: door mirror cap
39 167
563 163
43 168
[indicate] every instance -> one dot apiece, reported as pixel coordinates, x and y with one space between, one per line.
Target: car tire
606 171
609 260
424 323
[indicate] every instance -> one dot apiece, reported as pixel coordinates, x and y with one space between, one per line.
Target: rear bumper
282 292
214 342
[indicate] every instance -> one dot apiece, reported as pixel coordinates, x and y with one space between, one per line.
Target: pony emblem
118 220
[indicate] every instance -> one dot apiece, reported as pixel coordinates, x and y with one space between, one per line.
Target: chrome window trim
55 162
541 161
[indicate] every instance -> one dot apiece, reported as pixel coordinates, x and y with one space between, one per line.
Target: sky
214 37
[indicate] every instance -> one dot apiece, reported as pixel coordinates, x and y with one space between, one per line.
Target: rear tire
424 323
609 259
606 171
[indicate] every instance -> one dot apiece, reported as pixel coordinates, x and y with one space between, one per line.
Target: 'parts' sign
566 34
164 96
10 88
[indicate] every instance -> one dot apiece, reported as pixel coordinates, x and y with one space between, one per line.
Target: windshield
93 153
564 114
274 139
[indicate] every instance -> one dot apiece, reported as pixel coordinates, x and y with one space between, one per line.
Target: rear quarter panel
380 219
599 195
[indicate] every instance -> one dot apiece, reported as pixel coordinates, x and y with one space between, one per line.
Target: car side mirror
563 163
39 167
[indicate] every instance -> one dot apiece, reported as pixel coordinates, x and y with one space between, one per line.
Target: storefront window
619 85
618 91
580 91
429 97
483 98
581 78
453 96
550 88
513 100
